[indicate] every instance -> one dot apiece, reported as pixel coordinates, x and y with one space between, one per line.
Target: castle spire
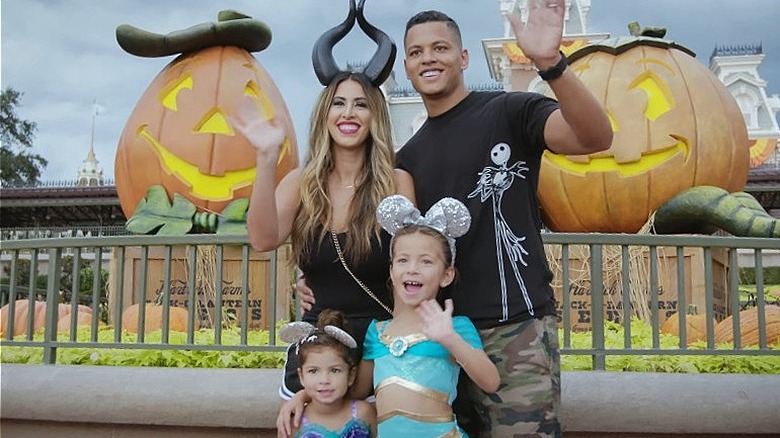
91 174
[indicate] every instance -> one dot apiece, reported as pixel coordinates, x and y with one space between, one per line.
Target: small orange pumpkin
695 325
83 318
153 318
675 125
179 135
748 327
64 309
39 316
20 316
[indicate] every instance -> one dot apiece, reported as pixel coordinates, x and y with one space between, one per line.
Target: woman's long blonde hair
375 182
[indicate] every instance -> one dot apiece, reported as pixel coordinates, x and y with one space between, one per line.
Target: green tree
85 293
22 282
17 163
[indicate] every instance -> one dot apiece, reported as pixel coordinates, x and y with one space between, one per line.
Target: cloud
63 55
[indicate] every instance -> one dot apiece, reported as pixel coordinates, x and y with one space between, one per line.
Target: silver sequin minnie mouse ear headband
300 332
448 216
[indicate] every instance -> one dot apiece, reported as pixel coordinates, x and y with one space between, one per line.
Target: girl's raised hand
265 134
436 322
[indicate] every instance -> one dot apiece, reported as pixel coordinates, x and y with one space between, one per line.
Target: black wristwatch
554 71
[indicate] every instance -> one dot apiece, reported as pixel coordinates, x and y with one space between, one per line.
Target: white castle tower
737 69
91 174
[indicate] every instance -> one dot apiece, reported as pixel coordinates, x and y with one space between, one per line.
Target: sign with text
181 293
640 287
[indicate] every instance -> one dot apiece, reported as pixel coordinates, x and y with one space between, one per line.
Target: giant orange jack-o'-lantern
179 136
675 127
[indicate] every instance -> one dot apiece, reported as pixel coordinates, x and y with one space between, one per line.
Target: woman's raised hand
266 135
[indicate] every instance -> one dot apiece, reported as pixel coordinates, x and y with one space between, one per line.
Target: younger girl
327 368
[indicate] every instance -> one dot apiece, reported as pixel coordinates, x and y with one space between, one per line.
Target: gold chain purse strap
357 280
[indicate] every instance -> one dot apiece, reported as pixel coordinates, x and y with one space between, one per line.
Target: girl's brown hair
322 339
427 231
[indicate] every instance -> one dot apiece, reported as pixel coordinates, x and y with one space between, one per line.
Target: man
484 148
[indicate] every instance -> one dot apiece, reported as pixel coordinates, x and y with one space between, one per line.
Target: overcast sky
63 55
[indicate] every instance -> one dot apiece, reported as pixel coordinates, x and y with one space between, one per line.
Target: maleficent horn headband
448 216
377 69
300 332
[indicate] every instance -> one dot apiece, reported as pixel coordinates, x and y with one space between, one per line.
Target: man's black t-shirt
486 152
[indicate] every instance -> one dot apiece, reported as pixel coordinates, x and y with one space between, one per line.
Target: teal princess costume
420 366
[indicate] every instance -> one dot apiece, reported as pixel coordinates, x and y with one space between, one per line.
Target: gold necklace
357 280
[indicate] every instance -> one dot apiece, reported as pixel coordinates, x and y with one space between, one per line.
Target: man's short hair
433 16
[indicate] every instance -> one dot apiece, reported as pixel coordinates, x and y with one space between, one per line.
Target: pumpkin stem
648 31
232 29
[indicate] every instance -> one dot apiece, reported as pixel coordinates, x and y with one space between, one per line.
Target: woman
349 169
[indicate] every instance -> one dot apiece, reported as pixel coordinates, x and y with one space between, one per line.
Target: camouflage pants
527 402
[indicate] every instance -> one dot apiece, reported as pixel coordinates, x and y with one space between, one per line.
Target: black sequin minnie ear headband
448 216
300 332
378 68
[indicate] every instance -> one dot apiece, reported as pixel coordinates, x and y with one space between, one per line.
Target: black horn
381 64
322 55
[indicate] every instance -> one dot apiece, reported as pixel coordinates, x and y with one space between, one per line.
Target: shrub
642 338
155 357
771 275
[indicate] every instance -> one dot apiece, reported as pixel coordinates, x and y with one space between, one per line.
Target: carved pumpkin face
178 135
675 126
